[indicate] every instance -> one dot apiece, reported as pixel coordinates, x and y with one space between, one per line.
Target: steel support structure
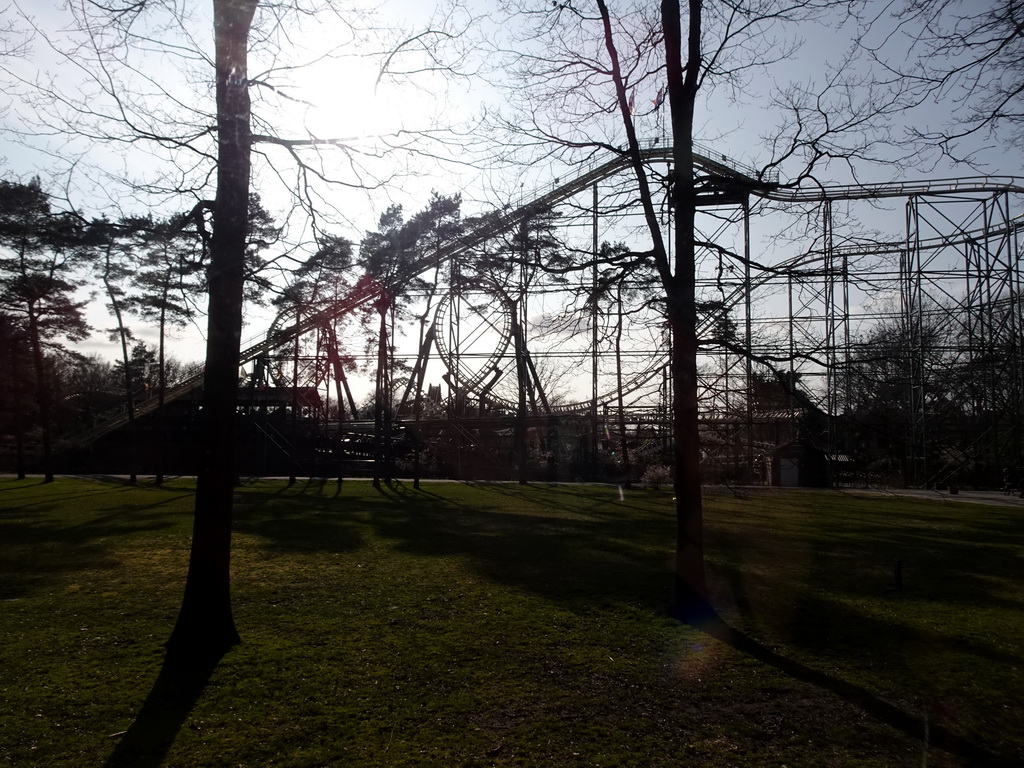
955 277
837 345
961 288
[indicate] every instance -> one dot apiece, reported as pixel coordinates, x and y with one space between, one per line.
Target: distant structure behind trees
511 359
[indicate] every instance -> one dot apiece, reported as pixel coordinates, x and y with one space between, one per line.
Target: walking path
997 498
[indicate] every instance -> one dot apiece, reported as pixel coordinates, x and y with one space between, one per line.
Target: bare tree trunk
161 393
522 447
19 419
205 624
341 380
341 386
43 394
335 362
689 598
293 459
381 393
389 405
689 593
122 333
414 389
623 437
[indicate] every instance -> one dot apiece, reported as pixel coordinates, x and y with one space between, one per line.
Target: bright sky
334 93
320 82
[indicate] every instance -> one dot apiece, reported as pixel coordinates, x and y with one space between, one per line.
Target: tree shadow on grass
580 550
12 483
575 548
808 587
39 504
42 546
580 547
298 519
178 687
915 726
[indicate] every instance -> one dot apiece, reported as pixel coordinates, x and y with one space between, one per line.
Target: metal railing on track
506 218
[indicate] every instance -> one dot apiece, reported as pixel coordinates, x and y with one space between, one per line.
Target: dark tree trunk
689 598
19 419
627 468
341 380
380 393
129 395
161 393
522 448
43 395
417 407
689 594
205 624
335 362
293 458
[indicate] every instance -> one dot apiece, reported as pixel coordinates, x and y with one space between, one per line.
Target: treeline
53 264
935 396
151 273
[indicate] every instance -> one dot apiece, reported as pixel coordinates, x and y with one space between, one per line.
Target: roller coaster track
822 193
704 159
715 165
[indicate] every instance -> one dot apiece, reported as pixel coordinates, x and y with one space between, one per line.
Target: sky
322 84
320 80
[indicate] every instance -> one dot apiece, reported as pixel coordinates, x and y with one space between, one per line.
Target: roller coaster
530 364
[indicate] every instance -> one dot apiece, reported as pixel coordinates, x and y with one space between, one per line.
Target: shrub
656 475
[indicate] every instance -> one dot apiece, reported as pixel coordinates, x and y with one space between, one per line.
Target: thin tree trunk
380 394
626 466
689 599
205 624
295 402
417 407
122 334
161 393
341 379
19 419
335 360
389 395
521 434
43 394
689 594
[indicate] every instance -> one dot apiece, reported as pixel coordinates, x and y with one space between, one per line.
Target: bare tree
205 624
966 58
580 68
110 101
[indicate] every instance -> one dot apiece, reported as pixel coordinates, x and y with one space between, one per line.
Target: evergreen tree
39 251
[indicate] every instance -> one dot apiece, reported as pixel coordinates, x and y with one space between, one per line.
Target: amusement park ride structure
556 368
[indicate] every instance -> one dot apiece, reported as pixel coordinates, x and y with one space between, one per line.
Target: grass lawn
461 625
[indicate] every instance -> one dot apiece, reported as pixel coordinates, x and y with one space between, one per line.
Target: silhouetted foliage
40 250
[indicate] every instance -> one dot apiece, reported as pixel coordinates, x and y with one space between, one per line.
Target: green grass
503 625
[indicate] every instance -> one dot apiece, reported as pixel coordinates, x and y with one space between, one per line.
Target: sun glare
344 99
